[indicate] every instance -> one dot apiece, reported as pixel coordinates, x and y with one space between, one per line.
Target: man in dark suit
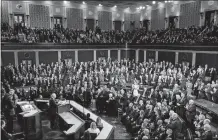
52 110
214 95
10 105
175 125
190 113
207 134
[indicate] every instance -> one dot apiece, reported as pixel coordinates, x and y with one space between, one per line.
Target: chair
100 128
93 136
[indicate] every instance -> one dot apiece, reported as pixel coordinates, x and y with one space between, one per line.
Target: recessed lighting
153 2
165 1
84 2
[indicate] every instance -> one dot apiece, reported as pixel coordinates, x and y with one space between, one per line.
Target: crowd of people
151 95
191 35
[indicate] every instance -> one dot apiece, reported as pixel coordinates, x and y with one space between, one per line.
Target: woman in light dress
135 88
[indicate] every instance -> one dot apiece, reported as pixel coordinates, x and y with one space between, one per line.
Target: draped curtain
157 19
39 16
105 20
189 14
127 19
75 18
136 17
4 12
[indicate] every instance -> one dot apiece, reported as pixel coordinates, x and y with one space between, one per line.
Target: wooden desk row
106 133
108 130
207 105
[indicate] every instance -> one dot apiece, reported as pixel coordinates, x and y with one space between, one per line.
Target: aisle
120 130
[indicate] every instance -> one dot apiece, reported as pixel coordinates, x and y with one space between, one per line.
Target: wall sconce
123 22
85 19
140 22
52 18
96 21
65 18
113 22
27 16
202 14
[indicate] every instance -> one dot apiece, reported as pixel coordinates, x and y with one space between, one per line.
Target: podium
29 118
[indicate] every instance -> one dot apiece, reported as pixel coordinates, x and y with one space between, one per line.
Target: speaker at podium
29 118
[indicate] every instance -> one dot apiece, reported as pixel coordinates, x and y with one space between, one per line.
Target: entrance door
150 60
19 21
90 24
27 62
57 22
68 62
209 18
146 24
171 22
132 25
117 25
19 18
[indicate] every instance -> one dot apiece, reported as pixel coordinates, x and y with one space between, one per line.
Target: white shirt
97 131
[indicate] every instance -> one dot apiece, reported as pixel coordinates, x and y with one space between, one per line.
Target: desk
30 120
207 105
75 125
108 130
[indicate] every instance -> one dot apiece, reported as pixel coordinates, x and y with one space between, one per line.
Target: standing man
10 105
52 110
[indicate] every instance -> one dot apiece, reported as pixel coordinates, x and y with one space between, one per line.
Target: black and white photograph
109 70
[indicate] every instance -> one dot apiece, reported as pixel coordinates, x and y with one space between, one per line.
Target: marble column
76 55
145 57
118 55
59 56
156 56
176 57
137 55
94 55
109 53
193 58
37 57
16 58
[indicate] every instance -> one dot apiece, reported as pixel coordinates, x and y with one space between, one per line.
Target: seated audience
93 128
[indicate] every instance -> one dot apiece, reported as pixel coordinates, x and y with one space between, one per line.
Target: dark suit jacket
9 105
207 136
176 126
52 107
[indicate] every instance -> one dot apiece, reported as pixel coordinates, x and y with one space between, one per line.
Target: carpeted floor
49 134
120 130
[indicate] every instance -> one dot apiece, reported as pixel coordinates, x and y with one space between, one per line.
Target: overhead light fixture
153 2
99 5
143 7
115 6
84 2
165 1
